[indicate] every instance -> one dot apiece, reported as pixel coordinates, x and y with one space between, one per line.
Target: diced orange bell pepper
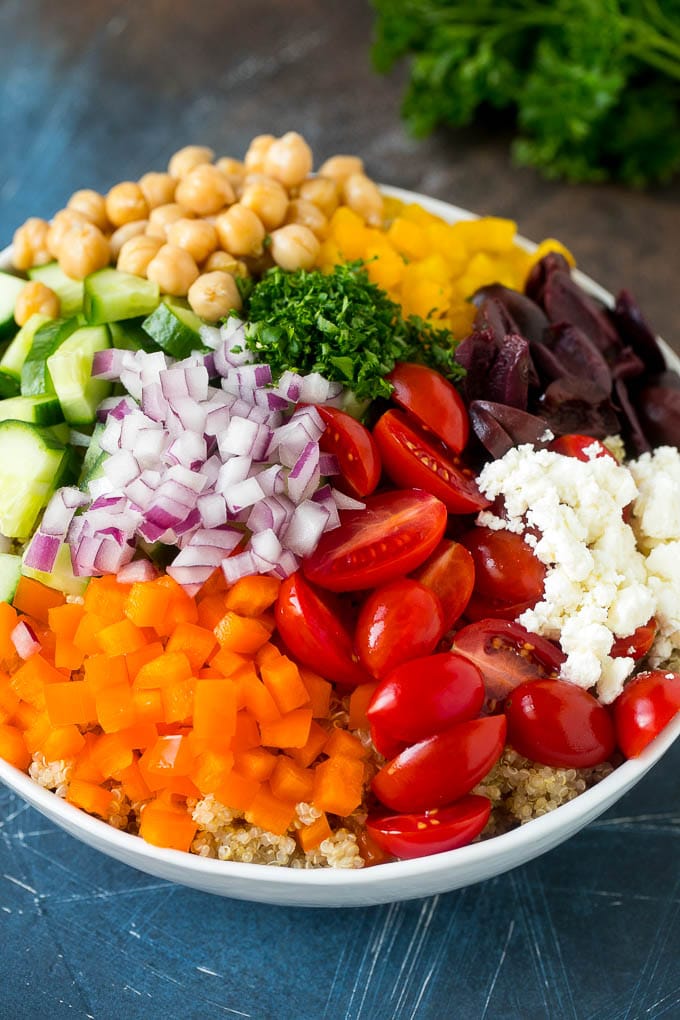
196 642
251 596
167 668
290 782
338 785
13 747
282 680
181 608
102 671
211 770
67 655
36 600
147 604
9 701
135 660
64 620
106 597
359 701
170 756
90 797
241 633
147 705
236 791
132 781
62 742
270 813
215 712
8 621
29 680
319 691
246 732
121 638
115 708
291 730
311 836
344 743
38 730
178 700
211 610
256 763
311 749
110 753
87 633
168 826
70 701
257 699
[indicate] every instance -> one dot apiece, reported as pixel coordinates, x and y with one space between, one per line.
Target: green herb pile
591 87
341 325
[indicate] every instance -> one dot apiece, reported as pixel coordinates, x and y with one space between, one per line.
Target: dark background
96 92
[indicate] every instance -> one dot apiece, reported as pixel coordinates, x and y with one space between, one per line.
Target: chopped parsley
341 325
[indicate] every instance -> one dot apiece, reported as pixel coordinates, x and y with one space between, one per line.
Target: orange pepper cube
90 797
257 763
177 698
105 671
197 643
269 812
147 604
30 680
237 792
282 680
291 730
115 708
169 667
338 785
246 733
241 633
105 597
211 770
66 655
62 742
167 825
319 691
8 621
135 660
359 701
147 705
257 699
311 749
64 620
86 637
168 757
250 596
343 743
13 747
110 754
132 781
70 701
35 599
121 638
291 782
313 835
215 703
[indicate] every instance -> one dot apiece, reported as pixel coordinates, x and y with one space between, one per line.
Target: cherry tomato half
508 577
314 634
398 621
431 398
450 573
637 644
425 696
432 832
410 457
644 707
354 448
507 655
574 445
557 723
393 535
443 768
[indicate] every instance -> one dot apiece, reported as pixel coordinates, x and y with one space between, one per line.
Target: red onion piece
24 640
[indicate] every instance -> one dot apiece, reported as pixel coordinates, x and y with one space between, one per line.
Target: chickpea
267 199
226 262
188 158
257 150
35 298
29 246
339 168
240 231
136 253
198 237
289 159
125 202
294 247
205 190
213 295
173 269
162 216
233 169
322 192
307 214
63 221
362 195
92 205
123 234
158 189
83 250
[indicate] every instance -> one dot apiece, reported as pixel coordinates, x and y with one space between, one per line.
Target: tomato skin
410 457
355 449
507 574
398 621
441 769
637 644
432 832
507 655
424 696
392 536
433 400
644 707
314 634
557 723
575 445
450 573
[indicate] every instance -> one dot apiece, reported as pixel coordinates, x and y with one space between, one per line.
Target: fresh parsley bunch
592 86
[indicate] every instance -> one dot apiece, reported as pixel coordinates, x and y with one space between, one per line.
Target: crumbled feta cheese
596 586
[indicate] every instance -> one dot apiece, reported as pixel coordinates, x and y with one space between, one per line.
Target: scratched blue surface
95 91
589 931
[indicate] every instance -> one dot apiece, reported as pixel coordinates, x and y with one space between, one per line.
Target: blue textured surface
95 91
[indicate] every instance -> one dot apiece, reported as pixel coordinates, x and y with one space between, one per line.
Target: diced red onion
305 528
136 570
345 502
243 494
241 565
42 551
24 640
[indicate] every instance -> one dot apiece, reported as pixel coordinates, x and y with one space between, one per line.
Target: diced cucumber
9 385
62 433
35 378
94 457
70 369
175 329
10 288
111 295
10 572
41 410
61 576
69 292
14 357
32 465
129 336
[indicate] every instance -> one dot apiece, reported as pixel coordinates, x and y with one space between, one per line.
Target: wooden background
97 91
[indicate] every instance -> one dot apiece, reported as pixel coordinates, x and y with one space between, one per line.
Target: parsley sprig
341 325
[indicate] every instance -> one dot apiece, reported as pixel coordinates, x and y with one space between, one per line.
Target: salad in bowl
339 528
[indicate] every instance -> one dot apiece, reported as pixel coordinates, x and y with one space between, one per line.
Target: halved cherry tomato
644 707
425 696
638 644
431 398
398 621
354 448
410 457
450 573
431 832
508 577
557 723
507 655
314 634
443 768
393 535
574 445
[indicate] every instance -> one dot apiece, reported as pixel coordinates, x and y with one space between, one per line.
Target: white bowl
384 883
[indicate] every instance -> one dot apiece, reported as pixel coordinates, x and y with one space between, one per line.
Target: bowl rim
508 849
